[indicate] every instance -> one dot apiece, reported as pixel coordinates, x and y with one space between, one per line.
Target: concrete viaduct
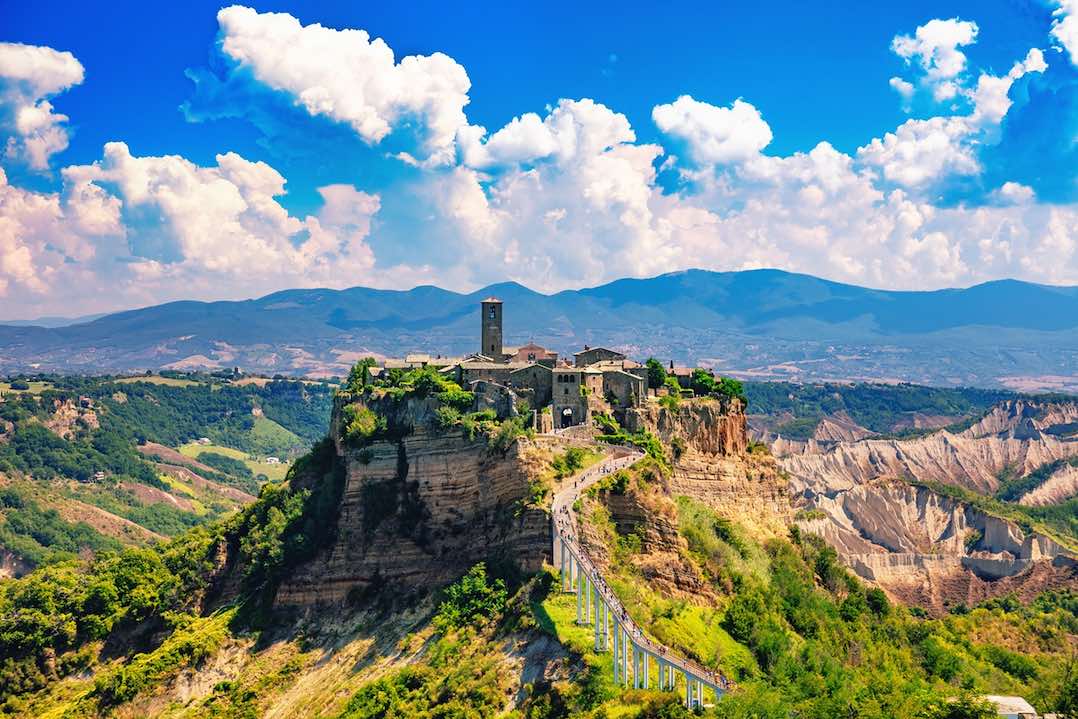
632 652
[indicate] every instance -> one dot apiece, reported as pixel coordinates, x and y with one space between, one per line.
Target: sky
156 152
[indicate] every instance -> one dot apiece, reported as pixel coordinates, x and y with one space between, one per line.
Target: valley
405 566
88 464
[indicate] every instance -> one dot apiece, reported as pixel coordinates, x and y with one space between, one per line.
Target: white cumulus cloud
934 47
29 74
714 135
346 76
1065 26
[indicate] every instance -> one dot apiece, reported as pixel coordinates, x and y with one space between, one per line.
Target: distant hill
756 324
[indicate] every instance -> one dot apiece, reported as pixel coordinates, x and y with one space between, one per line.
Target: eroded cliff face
1060 486
1025 419
970 462
649 513
926 548
711 462
934 551
419 510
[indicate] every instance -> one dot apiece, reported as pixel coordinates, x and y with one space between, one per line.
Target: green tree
656 373
966 706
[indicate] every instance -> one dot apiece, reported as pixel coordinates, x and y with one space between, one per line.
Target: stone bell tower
492 329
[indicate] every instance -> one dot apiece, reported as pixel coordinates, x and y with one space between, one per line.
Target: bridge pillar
625 645
598 624
614 654
606 625
579 597
688 690
647 671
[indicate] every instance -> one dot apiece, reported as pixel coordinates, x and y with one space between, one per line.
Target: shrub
471 599
361 424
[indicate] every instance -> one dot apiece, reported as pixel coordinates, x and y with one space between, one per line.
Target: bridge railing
631 649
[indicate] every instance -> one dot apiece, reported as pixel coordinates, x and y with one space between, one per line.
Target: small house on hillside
1012 707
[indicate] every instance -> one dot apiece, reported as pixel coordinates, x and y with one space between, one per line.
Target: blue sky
946 156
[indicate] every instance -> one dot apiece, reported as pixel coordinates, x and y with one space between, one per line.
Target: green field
35 388
156 379
275 472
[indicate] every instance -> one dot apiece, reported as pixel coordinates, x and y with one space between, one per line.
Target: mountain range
754 324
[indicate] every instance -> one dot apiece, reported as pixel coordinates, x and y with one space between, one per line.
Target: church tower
492 329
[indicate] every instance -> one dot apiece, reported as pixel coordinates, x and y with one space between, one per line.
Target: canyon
876 501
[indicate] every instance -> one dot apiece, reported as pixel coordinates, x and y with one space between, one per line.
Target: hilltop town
559 393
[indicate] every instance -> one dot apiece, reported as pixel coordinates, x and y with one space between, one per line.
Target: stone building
536 377
591 355
532 352
624 388
499 372
570 405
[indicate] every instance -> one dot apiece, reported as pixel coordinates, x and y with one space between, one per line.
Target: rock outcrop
924 547
711 462
966 461
420 508
651 515
1060 486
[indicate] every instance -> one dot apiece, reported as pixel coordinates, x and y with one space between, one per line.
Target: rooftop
593 349
1011 705
495 365
492 299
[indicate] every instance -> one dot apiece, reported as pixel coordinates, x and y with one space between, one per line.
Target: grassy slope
275 472
895 650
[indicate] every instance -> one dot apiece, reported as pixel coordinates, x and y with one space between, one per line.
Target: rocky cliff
421 505
712 463
971 462
924 547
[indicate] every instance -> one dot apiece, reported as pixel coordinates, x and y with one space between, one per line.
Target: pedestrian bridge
635 657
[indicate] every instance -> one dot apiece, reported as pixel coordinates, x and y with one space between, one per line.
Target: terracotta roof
494 365
492 299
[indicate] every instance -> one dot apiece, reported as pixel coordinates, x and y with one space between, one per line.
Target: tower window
493 312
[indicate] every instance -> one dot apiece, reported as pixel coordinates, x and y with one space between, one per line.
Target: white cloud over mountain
568 197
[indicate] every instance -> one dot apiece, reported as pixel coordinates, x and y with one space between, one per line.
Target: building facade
591 355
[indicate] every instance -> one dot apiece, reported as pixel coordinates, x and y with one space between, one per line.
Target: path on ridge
564 523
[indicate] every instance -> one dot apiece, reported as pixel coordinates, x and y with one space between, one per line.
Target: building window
493 312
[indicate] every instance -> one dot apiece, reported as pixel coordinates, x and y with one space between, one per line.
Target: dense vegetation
884 409
803 637
34 534
50 619
88 429
376 418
